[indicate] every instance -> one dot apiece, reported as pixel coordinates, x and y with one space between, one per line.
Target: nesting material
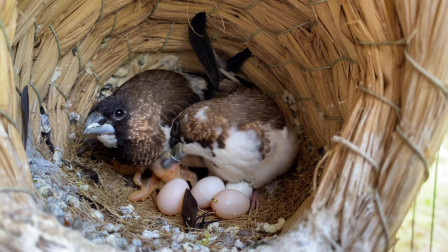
87 195
373 73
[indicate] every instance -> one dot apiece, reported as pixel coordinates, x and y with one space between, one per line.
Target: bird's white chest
241 160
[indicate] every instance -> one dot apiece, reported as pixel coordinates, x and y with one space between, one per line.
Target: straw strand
355 149
37 93
252 35
153 8
332 118
101 10
428 75
113 25
301 99
306 69
9 118
8 43
128 43
316 170
167 37
383 99
78 53
215 8
282 64
380 43
434 196
318 1
250 6
216 36
297 26
60 90
415 148
95 74
57 41
383 218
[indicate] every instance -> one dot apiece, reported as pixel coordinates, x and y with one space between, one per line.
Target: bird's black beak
175 156
96 123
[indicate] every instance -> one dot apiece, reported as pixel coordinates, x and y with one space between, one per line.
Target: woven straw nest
367 80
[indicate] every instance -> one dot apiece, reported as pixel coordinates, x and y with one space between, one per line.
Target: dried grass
311 56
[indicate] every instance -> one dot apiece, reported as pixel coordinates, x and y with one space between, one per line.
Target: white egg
204 190
171 196
229 204
243 187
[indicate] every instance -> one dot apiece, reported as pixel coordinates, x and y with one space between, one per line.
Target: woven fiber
365 80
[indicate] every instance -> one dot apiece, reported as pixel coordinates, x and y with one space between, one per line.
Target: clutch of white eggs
227 202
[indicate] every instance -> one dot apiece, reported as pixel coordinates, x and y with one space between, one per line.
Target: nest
363 80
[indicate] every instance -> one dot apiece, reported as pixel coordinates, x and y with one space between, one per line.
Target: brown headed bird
240 135
135 123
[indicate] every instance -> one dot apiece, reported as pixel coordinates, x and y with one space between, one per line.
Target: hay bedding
371 72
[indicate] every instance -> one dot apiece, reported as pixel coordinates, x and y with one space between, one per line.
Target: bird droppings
97 214
122 72
117 241
137 242
127 209
56 74
46 190
57 157
84 187
239 244
45 126
72 201
271 228
73 117
111 228
151 234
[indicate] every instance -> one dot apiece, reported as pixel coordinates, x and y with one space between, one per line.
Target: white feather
243 187
167 132
197 84
109 140
200 115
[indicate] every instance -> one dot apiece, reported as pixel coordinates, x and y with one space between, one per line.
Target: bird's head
107 120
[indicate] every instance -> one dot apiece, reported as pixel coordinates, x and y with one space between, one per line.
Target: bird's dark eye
118 114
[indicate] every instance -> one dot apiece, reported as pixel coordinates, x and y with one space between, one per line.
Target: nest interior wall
325 63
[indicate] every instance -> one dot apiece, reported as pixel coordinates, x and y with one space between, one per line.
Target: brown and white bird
135 123
240 135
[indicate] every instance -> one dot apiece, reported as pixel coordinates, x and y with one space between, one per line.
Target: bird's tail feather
234 63
202 46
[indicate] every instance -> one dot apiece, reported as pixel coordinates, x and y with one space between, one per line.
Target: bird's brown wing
209 121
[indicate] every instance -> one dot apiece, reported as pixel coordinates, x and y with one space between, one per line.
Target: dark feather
234 64
202 46
190 211
25 114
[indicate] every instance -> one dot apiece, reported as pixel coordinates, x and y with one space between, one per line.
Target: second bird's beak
175 157
97 124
